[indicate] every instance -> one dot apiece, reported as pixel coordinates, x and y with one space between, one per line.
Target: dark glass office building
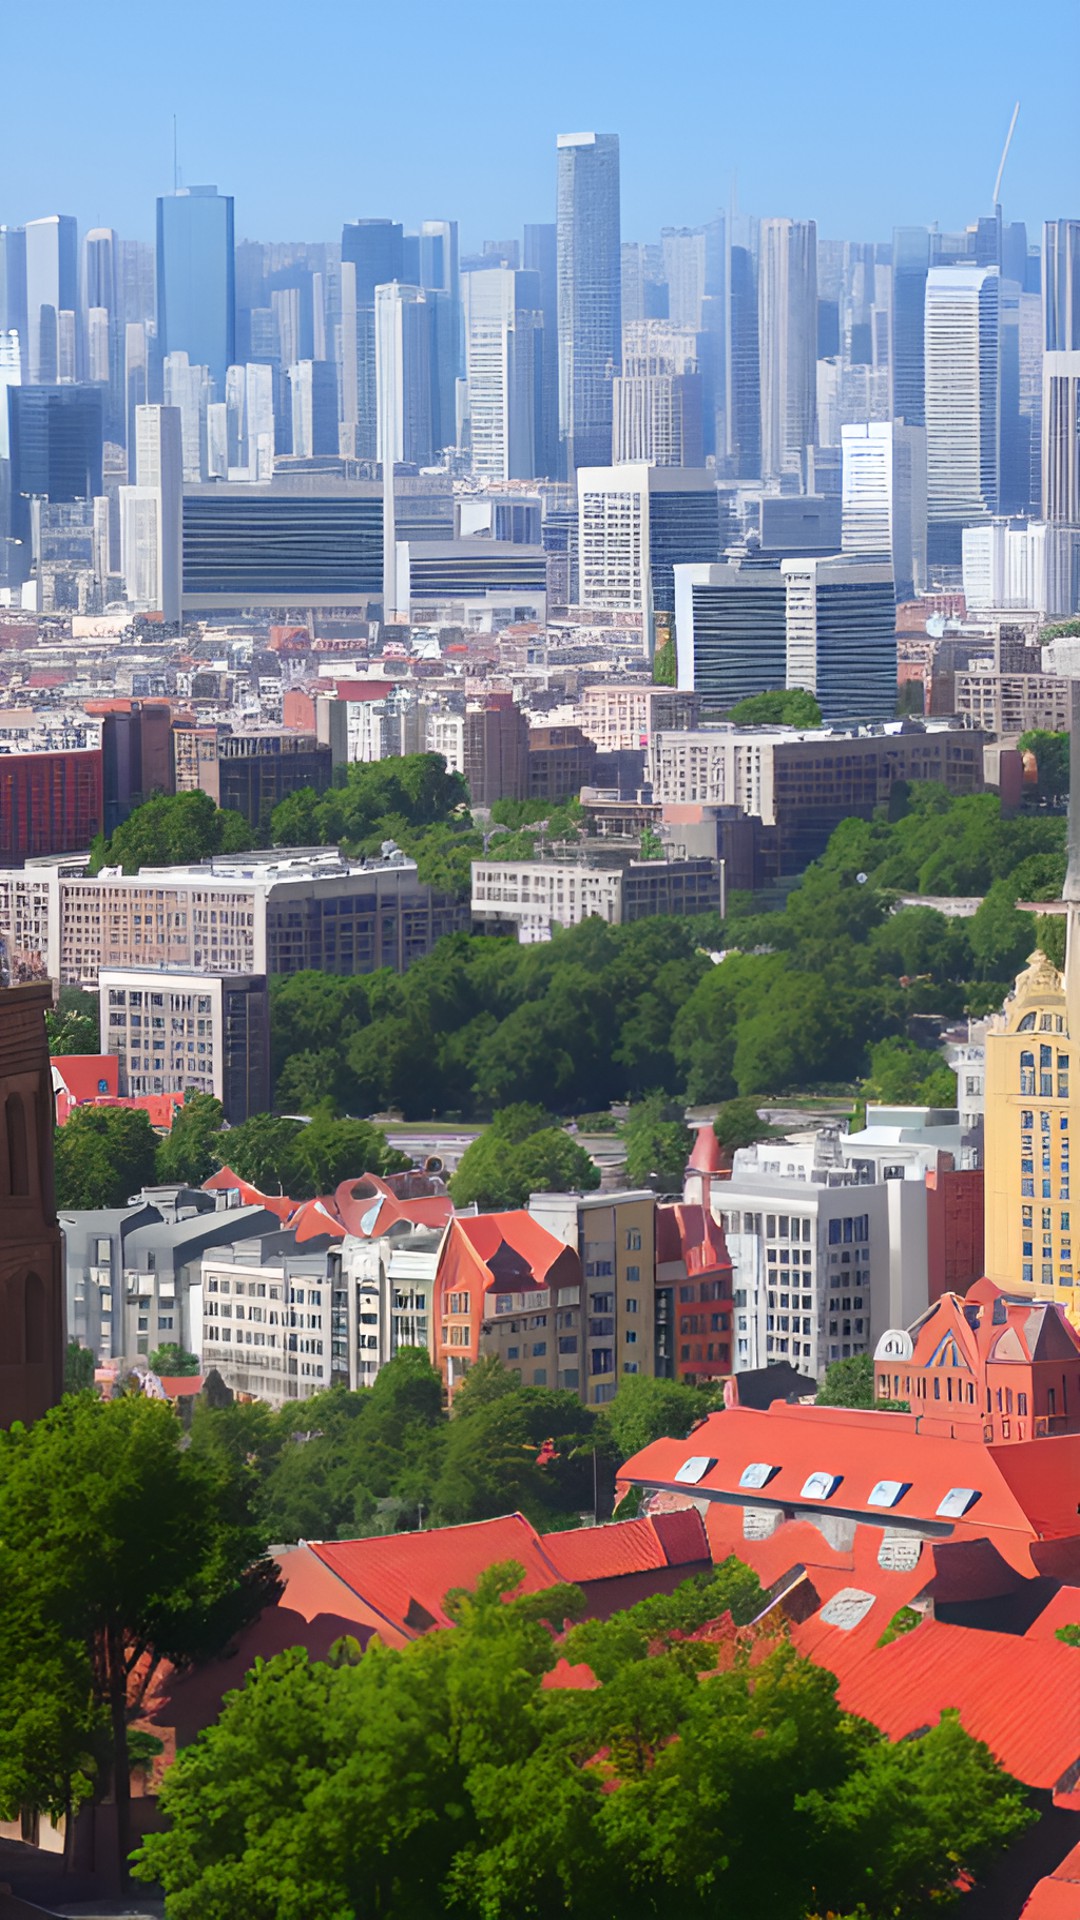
55 436
248 546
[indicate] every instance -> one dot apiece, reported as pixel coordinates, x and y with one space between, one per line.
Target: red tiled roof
583 1554
1062 1610
369 1207
82 1073
701 1243
182 1386
1000 1684
404 1577
313 1219
682 1536
1026 1490
1057 1897
518 1251
226 1181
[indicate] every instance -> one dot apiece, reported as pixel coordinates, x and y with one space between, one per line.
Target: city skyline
811 126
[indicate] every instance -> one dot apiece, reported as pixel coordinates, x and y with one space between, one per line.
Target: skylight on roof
694 1469
886 1493
821 1486
757 1474
957 1501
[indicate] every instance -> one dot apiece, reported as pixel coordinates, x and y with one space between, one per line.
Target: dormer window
821 1486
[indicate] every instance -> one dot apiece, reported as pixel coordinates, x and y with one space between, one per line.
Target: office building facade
884 499
963 403
173 1032
787 345
589 294
505 367
196 279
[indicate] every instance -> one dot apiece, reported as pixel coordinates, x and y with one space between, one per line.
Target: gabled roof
585 1554
404 1577
1057 1897
691 1233
517 1251
1024 1492
82 1074
226 1181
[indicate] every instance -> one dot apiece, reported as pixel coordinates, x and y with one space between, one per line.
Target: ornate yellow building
1028 1128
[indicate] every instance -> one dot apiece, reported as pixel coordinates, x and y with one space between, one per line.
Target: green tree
790 708
848 1383
739 1124
447 1777
174 1361
78 1368
658 1143
282 1155
103 1155
169 829
189 1153
645 1409
499 1172
93 1598
1051 751
665 666
73 1026
903 1074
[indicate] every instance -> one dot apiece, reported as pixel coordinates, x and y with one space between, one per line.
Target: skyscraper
658 403
963 403
787 336
884 498
744 369
314 391
52 284
590 294
375 251
504 365
403 375
196 278
1061 373
13 284
911 263
841 635
151 513
541 257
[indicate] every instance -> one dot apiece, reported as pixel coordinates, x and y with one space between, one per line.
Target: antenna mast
1005 153
176 158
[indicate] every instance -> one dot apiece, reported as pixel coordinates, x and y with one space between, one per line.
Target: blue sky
862 116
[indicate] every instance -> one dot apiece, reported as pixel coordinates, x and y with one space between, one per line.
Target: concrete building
251 772
495 750
635 524
963 404
387 1287
884 499
561 762
504 370
482 585
659 398
1022 566
196 278
730 630
151 514
804 784
621 717
173 1031
274 912
261 1316
305 543
840 620
509 1286
787 345
32 1325
533 896
1012 703
614 1239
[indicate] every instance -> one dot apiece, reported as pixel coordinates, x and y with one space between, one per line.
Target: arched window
1026 1024
18 1154
34 1297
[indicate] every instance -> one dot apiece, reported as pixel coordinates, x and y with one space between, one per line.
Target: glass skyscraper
196 279
589 294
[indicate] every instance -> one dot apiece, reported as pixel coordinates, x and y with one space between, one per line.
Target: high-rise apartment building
841 635
743 438
963 402
13 285
196 279
540 256
589 293
636 523
884 499
151 514
684 255
1061 373
313 389
403 376
911 264
55 438
787 336
172 1031
504 366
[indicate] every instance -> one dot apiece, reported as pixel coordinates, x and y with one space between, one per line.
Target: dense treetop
171 829
787 707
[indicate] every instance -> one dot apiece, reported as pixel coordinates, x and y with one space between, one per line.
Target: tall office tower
437 259
98 354
135 291
1014 425
55 447
348 363
684 255
104 345
744 369
884 499
963 406
713 339
288 332
1031 396
191 389
314 390
375 249
541 257
10 376
13 285
504 367
403 375
658 397
787 335
911 264
635 525
136 383
590 294
196 278
1061 373
249 401
841 635
151 514
641 278
52 288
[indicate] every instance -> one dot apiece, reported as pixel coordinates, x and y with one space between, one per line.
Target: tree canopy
790 707
505 1164
283 1155
169 829
658 1143
103 1155
446 1777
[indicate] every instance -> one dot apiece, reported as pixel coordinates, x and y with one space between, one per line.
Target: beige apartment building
621 716
615 1237
1011 703
533 896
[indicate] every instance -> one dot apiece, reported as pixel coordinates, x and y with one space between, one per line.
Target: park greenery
798 1001
523 1151
171 830
446 1777
105 1155
72 1026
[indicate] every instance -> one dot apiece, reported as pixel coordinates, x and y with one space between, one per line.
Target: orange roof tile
519 1235
583 1554
1057 1897
83 1073
706 1156
404 1577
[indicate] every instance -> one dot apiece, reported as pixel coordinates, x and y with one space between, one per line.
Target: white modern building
173 1032
787 344
589 267
261 1316
1061 435
635 523
151 514
504 350
535 896
1030 566
840 617
963 401
884 498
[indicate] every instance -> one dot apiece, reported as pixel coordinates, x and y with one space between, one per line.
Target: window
458 1303
633 1240
632 1274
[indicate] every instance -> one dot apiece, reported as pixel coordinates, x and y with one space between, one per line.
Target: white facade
151 514
884 498
1061 437
503 351
263 1320
173 1031
963 428
402 375
787 344
1018 566
191 390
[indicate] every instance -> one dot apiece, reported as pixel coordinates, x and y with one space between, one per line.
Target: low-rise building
508 1286
261 1315
533 896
